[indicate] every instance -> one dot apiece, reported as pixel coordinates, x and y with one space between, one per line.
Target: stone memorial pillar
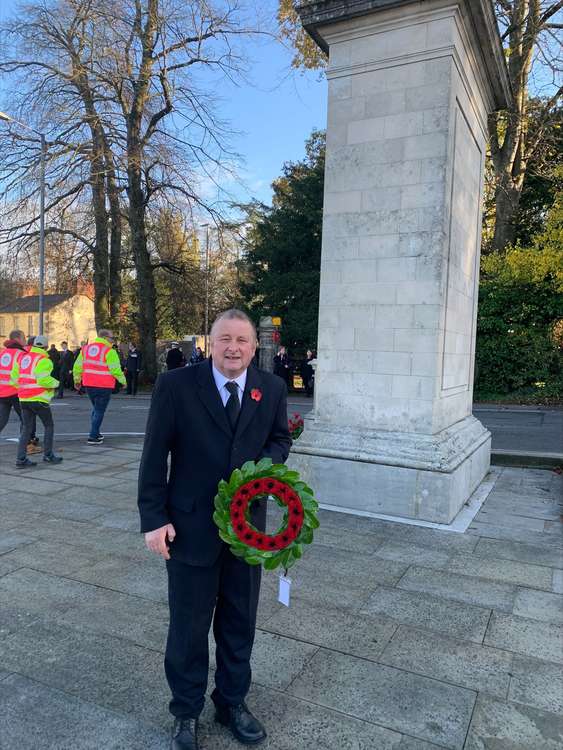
410 87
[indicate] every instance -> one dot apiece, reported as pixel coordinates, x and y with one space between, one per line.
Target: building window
16 321
30 325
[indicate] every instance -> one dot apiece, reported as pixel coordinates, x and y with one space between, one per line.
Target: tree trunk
100 259
115 288
507 201
146 291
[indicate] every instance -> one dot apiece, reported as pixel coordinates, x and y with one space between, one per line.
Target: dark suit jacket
187 420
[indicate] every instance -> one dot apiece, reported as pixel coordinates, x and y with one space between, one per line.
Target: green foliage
283 249
307 54
519 340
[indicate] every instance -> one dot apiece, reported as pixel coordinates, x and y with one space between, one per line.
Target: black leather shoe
244 726
184 735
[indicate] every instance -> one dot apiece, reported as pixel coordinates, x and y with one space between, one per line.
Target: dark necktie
232 406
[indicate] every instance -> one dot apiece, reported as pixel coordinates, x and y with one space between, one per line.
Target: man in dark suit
205 418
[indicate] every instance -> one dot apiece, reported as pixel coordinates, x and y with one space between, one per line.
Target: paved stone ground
398 637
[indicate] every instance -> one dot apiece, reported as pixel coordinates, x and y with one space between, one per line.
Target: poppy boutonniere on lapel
256 394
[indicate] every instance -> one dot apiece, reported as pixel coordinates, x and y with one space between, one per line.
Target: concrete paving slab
352 540
111 672
332 627
557 583
537 683
539 605
277 660
14 618
548 510
402 701
90 607
31 483
528 553
507 726
477 591
512 534
126 520
294 724
479 668
503 571
413 554
144 578
524 636
13 518
62 722
51 557
12 539
452 618
496 518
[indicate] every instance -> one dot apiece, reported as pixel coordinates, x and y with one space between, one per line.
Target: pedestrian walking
281 365
55 357
97 367
66 361
235 413
32 372
133 366
175 357
33 446
13 348
308 373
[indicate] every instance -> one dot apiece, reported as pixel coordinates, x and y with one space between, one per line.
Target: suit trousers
227 594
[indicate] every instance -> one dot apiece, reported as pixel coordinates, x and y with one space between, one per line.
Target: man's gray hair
234 314
17 334
103 333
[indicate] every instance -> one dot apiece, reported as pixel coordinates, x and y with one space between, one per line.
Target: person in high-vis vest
12 350
36 386
97 367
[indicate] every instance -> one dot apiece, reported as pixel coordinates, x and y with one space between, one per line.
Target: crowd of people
33 373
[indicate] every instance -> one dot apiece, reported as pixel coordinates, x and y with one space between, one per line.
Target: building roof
31 304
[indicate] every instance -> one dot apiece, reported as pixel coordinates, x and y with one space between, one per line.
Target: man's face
232 346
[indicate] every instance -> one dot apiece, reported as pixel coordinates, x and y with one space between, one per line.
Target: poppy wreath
273 481
295 426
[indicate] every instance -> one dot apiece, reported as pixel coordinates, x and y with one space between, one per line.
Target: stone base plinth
425 477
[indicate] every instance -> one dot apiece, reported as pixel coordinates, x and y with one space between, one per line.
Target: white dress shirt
220 381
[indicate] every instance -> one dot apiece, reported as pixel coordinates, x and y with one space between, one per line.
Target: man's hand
77 384
156 540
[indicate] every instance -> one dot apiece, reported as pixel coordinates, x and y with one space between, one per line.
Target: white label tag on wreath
285 590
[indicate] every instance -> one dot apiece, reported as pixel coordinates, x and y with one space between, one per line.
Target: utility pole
206 331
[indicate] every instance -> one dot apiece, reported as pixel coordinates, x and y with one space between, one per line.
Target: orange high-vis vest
7 359
95 371
28 387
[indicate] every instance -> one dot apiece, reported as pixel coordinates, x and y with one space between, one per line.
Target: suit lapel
249 405
208 393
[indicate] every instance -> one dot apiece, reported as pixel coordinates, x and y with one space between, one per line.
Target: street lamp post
43 158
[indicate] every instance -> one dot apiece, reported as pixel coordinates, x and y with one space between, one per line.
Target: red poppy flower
256 394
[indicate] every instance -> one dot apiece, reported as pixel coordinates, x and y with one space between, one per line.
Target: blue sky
271 117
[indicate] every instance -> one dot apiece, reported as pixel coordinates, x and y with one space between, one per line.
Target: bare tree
48 59
530 32
166 122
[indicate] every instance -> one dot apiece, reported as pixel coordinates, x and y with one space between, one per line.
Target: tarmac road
520 428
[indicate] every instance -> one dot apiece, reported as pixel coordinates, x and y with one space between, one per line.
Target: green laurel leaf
264 464
253 560
312 520
272 563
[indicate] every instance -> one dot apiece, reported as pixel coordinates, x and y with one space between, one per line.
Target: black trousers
227 594
132 378
7 403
